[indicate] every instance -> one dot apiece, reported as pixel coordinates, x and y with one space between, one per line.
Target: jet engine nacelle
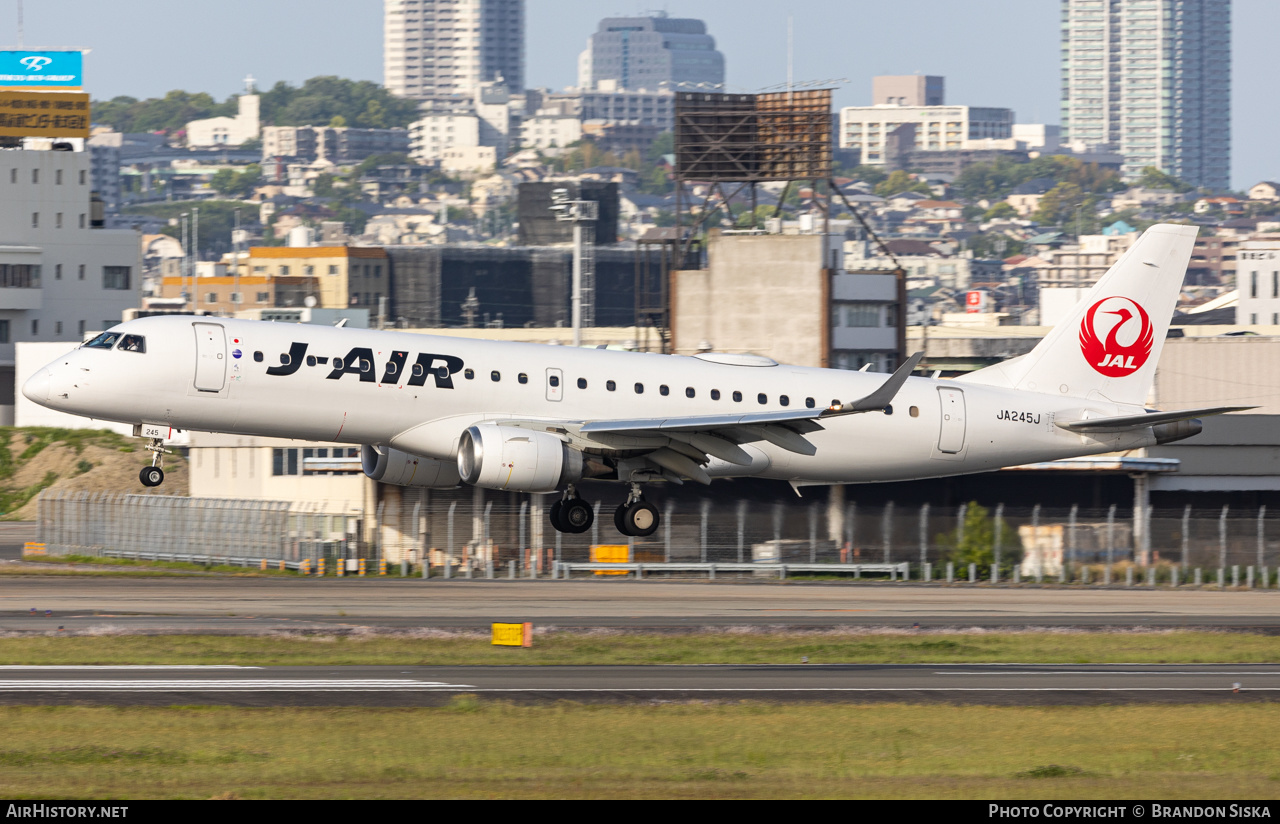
521 460
391 466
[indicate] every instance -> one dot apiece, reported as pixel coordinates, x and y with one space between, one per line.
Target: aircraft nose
38 386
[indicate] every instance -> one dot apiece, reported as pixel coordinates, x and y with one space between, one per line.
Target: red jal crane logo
1115 358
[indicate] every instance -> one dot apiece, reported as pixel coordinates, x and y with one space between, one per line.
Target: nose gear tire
151 476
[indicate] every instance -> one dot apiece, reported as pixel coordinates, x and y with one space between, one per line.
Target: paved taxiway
426 686
246 605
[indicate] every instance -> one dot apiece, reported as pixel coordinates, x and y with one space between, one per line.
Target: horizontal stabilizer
1127 422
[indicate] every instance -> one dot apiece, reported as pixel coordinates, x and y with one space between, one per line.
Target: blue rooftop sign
36 69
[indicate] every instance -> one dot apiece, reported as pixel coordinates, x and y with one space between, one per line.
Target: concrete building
436 133
338 145
1151 79
1082 264
551 131
60 277
781 297
214 132
609 104
1258 282
438 50
347 275
105 167
937 128
644 52
226 295
908 90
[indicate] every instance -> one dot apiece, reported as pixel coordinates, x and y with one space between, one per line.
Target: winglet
884 395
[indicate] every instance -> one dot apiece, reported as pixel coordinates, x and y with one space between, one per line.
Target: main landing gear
635 518
572 514
154 475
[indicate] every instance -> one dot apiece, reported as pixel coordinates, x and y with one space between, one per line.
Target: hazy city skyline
992 52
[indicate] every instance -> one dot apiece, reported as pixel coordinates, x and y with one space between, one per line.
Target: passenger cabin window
888 410
554 380
522 378
582 383
762 398
257 357
495 376
715 394
106 340
611 386
664 390
737 397
915 411
133 343
639 388
810 403
688 392
784 400
469 374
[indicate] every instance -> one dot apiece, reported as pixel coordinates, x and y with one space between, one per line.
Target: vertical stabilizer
1109 345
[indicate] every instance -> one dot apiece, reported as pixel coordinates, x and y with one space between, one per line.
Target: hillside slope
76 460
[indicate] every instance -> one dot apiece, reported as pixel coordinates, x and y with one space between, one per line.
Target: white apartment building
1151 79
59 276
442 48
550 131
611 104
1258 282
938 128
434 134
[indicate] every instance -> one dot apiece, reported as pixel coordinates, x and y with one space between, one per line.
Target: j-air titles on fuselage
359 361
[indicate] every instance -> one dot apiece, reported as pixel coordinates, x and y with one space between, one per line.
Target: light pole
583 215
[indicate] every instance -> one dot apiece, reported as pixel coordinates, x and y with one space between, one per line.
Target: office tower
649 53
436 49
1151 79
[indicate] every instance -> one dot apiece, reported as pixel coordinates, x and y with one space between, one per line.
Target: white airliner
431 411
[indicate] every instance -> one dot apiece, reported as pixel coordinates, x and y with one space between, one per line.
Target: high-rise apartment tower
435 49
1151 79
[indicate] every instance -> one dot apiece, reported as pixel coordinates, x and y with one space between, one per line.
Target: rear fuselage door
951 433
211 357
555 384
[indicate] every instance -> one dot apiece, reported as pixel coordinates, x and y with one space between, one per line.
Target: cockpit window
133 343
104 341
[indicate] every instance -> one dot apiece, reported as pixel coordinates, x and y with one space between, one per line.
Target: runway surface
230 605
427 686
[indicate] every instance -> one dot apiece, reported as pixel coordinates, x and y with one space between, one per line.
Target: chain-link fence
467 532
202 530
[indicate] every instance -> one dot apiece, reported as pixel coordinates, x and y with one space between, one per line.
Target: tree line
320 101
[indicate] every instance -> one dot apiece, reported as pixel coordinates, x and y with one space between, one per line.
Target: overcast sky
992 52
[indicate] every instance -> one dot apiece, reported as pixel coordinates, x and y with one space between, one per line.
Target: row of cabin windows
554 380
35 176
664 390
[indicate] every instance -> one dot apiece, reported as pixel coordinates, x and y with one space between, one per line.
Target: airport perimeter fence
194 530
463 534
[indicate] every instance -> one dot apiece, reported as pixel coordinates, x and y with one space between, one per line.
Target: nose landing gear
154 475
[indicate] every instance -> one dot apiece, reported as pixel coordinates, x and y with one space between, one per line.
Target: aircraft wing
682 446
1124 423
